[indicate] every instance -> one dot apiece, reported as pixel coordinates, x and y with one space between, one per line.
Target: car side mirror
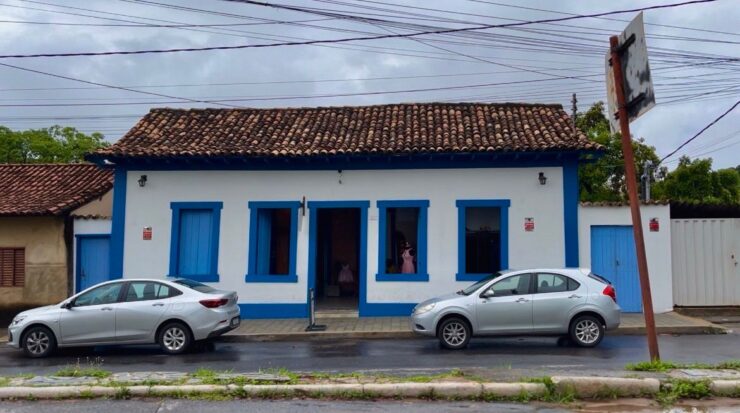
68 305
488 294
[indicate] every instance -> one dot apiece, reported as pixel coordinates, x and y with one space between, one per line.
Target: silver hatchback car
173 314
557 302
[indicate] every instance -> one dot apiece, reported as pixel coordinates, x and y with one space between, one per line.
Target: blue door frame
80 260
613 256
314 207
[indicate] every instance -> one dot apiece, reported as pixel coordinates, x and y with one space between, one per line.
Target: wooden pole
631 181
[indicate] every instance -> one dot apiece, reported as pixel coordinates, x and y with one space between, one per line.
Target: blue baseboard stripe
261 311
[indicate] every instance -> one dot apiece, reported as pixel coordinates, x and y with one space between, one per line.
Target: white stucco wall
150 206
657 245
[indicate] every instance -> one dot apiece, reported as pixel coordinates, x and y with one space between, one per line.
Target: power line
344 40
701 131
25 69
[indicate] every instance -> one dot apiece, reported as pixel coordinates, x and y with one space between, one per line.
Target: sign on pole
631 95
638 84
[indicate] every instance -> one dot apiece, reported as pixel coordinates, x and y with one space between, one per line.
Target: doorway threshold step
337 314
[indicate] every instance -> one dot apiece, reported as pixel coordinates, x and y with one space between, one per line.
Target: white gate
705 261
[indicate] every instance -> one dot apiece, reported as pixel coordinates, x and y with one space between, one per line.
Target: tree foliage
691 181
604 179
695 181
56 144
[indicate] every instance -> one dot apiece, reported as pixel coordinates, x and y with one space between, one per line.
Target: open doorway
337 259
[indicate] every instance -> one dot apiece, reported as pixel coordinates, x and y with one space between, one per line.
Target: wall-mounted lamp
542 178
142 181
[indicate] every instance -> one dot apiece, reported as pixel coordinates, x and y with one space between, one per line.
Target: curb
576 386
380 390
592 387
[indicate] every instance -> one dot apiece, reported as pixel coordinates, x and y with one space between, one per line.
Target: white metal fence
705 261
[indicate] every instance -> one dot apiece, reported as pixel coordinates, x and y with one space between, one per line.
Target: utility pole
647 175
574 114
631 178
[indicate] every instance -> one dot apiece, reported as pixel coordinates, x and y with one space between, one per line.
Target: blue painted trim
252 274
570 212
78 255
421 249
353 162
388 309
419 277
462 206
277 310
177 208
118 224
313 207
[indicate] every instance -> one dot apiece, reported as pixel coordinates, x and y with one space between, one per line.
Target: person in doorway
408 255
346 280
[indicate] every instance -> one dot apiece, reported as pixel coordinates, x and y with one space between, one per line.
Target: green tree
56 144
695 181
604 180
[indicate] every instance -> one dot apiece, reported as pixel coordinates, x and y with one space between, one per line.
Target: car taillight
214 302
611 292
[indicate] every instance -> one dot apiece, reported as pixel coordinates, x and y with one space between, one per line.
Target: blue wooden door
93 260
195 242
613 257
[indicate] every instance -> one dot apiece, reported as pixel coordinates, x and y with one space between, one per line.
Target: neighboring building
38 203
274 202
607 246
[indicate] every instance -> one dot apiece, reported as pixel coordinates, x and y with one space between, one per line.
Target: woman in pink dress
407 267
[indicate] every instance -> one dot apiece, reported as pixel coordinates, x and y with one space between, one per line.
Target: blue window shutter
195 246
264 231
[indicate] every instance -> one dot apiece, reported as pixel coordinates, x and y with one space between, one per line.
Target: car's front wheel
174 338
38 341
586 331
454 333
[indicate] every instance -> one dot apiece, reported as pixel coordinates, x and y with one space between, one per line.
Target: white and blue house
375 208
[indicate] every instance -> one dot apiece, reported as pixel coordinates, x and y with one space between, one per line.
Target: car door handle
158 305
575 296
106 309
522 300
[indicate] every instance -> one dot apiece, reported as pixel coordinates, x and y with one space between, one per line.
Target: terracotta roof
50 189
350 130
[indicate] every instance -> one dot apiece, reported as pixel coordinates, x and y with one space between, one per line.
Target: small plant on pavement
678 389
91 370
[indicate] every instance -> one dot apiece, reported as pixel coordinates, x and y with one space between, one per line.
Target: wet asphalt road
516 355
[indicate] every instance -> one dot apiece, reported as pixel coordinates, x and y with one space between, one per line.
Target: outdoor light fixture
542 178
142 180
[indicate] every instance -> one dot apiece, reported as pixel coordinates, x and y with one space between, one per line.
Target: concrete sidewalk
398 327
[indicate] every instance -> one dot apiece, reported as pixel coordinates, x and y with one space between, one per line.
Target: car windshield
195 285
473 288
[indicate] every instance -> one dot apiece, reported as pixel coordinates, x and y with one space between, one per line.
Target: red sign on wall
654 225
529 224
147 235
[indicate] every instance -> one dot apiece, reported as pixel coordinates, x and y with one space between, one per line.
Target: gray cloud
664 127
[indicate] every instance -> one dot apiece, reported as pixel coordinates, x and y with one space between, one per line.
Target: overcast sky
694 80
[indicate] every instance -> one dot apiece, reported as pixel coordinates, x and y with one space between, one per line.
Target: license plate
235 321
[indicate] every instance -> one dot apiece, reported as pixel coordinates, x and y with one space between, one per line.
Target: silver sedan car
560 302
173 314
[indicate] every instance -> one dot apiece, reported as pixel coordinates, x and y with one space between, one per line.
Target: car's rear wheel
586 331
38 341
174 338
454 333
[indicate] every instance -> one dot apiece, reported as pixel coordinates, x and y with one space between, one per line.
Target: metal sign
638 84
